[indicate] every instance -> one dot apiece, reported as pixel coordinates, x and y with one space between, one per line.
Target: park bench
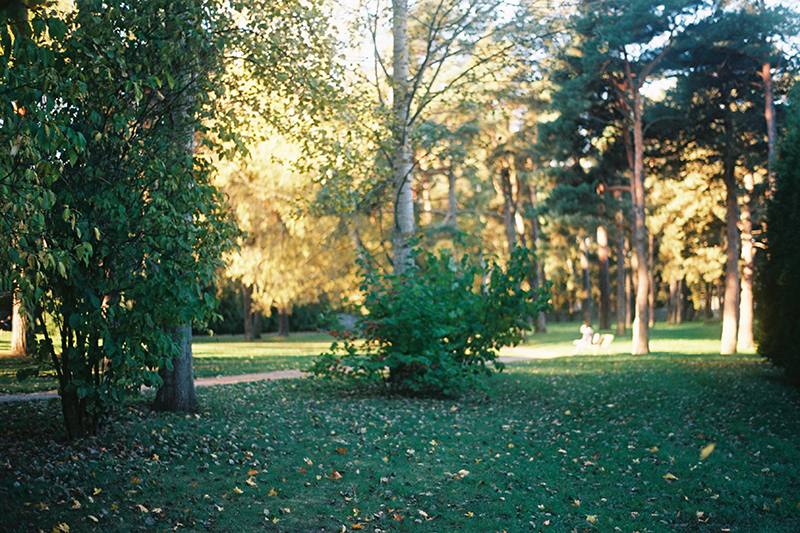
599 342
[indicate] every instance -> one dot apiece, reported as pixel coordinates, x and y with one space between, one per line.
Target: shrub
433 329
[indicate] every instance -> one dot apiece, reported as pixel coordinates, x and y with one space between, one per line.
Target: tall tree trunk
641 333
772 128
587 284
247 311
604 321
709 300
178 393
629 303
651 269
19 328
674 302
537 268
283 321
731 305
680 301
256 324
509 211
402 166
745 336
622 304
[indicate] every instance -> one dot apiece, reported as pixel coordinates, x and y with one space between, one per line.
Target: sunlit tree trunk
604 321
641 333
629 292
651 297
401 161
731 304
247 311
672 311
509 211
19 328
679 301
745 335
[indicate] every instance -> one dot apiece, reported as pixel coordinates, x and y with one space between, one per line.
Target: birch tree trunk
401 161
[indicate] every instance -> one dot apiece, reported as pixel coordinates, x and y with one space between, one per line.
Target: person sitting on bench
587 334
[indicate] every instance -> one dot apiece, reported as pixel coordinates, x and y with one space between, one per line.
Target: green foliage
434 328
778 277
133 229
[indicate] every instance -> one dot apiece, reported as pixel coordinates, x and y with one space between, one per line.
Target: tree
778 279
622 44
134 220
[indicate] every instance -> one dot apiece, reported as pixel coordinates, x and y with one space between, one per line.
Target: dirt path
200 382
222 380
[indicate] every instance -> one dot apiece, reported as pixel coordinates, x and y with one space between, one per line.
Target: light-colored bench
600 341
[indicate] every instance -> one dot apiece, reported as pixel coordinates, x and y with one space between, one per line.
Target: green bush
435 328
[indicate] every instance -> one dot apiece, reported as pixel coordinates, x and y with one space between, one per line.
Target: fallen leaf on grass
237 490
670 477
358 526
706 451
64 528
341 451
251 482
591 518
334 475
252 472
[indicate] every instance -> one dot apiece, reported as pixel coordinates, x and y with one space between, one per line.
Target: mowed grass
222 355
587 443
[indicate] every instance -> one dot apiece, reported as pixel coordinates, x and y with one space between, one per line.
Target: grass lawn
213 356
587 443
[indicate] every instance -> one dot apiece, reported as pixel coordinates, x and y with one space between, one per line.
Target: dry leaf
341 450
252 472
237 490
591 518
706 451
670 477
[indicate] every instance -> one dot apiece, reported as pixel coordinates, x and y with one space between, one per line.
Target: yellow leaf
272 492
705 452
591 518
157 510
670 477
469 514
251 482
142 508
237 490
654 449
93 519
76 504
97 491
64 528
358 526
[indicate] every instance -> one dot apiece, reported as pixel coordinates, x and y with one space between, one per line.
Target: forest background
640 134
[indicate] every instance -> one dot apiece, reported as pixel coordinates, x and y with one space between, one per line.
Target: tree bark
402 166
731 304
178 392
19 328
679 300
651 296
629 294
604 321
283 322
622 303
509 211
537 268
672 311
587 284
247 311
772 128
641 333
745 339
